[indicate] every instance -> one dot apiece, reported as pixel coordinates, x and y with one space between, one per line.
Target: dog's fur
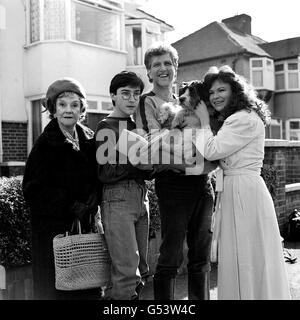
190 94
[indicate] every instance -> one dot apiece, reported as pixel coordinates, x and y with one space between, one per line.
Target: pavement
181 281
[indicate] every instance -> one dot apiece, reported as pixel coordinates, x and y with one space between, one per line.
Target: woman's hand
202 113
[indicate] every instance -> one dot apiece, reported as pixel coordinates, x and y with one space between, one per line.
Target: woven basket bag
82 261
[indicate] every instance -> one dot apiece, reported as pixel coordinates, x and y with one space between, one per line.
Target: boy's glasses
127 95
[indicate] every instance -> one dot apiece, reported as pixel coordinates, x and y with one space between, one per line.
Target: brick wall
293 163
285 157
14 139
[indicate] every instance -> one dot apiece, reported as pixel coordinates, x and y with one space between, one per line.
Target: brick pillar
275 156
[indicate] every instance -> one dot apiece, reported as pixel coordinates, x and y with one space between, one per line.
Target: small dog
190 95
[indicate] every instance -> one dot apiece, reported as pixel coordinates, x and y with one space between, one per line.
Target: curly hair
244 96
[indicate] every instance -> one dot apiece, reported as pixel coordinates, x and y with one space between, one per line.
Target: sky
271 20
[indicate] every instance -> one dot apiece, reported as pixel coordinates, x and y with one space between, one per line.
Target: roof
215 40
282 49
132 11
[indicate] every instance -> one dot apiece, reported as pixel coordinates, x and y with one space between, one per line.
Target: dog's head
190 94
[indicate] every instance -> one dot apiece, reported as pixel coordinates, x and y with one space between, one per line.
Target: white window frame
146 26
267 73
288 130
286 73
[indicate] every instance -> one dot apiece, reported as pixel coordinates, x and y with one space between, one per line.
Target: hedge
15 231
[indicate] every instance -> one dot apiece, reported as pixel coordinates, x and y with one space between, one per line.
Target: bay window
140 34
83 21
262 73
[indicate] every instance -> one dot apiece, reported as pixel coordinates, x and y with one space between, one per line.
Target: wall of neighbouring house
197 70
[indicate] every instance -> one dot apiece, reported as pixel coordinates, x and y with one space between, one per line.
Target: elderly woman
60 183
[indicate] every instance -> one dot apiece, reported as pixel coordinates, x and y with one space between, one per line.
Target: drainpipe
1 149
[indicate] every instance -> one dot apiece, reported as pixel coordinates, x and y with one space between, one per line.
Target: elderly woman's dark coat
57 179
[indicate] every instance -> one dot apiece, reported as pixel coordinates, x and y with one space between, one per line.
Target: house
42 40
272 67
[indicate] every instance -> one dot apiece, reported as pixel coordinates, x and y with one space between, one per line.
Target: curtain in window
54 19
293 80
95 26
34 20
279 81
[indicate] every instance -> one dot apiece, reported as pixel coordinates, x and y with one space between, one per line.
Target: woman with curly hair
246 237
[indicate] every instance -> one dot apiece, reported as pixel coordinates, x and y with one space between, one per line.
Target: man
185 201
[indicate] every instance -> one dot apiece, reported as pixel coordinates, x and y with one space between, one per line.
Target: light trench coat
250 255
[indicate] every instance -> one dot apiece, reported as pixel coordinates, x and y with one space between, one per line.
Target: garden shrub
154 209
15 230
269 174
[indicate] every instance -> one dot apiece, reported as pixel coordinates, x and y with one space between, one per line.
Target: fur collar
55 137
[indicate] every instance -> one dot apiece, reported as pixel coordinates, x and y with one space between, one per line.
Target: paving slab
293 270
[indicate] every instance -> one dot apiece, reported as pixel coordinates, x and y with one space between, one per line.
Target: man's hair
123 79
159 49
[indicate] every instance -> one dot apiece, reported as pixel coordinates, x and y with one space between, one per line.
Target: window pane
34 20
275 132
134 45
257 78
279 67
295 135
279 81
257 63
293 80
293 66
294 124
96 26
54 19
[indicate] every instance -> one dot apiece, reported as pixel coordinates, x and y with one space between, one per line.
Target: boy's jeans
125 210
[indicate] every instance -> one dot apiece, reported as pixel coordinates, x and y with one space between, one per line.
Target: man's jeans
125 211
186 204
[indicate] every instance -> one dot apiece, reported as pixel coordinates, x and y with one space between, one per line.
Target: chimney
240 23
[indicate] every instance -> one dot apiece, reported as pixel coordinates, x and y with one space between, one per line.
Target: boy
125 207
185 202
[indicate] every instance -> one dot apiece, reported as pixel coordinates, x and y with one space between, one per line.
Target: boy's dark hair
123 79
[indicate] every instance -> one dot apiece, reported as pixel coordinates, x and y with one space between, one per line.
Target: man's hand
191 122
